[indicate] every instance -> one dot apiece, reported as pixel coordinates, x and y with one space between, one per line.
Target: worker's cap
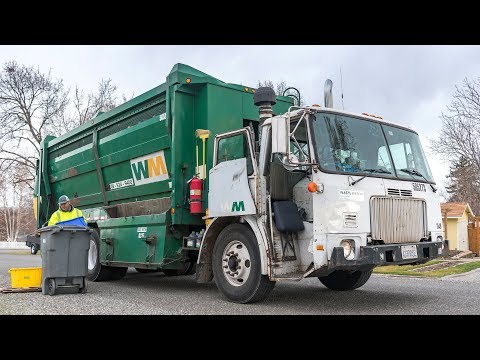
63 199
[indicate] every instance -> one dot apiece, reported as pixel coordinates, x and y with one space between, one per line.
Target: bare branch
459 142
30 101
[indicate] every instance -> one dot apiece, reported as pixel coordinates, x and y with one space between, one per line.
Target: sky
407 84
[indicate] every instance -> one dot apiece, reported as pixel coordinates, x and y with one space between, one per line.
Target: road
157 294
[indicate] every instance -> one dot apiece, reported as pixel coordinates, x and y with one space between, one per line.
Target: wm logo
149 168
238 206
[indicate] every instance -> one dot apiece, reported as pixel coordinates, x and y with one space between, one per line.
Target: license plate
409 252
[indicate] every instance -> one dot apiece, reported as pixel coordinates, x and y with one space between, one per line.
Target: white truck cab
328 194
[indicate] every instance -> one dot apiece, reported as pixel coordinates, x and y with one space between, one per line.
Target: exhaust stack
328 97
264 98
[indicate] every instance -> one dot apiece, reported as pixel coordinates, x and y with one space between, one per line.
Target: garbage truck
243 187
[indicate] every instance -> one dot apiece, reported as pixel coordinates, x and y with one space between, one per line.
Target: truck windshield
353 145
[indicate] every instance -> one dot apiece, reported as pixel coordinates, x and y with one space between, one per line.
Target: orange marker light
188 80
246 89
320 247
312 187
172 211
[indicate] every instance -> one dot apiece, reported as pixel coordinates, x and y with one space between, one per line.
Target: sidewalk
470 276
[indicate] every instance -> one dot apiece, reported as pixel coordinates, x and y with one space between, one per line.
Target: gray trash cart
64 252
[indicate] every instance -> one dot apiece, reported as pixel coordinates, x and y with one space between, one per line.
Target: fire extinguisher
196 186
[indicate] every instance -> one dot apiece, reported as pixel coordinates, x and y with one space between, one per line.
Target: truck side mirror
280 135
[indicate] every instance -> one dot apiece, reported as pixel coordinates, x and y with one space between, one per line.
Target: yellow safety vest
61 215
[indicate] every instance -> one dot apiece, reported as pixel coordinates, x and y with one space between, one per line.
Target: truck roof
352 114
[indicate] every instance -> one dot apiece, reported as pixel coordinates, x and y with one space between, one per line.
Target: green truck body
128 169
291 192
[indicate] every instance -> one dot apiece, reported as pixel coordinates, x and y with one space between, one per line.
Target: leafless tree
31 106
16 209
104 99
459 142
88 106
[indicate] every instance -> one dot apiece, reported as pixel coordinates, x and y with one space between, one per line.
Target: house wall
457 232
462 232
452 233
462 235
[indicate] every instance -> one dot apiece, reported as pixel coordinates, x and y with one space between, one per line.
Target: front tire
342 280
237 266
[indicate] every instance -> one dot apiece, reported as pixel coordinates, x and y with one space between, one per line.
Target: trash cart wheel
52 286
83 289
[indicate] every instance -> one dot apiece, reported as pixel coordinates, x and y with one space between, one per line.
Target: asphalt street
157 294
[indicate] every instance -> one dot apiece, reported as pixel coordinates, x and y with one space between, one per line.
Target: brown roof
455 209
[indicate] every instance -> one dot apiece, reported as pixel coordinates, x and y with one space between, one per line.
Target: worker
67 214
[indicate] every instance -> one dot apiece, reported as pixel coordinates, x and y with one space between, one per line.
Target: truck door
232 189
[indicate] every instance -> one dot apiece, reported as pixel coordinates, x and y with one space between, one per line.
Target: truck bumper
378 255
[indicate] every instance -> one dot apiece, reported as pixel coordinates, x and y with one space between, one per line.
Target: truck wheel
145 271
186 270
96 271
33 249
344 280
236 266
83 289
116 273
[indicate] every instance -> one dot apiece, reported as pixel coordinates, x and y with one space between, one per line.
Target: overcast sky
409 85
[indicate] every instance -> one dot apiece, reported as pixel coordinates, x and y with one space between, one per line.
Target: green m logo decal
240 206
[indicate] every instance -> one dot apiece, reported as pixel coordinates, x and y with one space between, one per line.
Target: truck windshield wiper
381 171
415 172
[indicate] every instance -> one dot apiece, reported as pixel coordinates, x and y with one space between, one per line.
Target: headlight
440 249
348 249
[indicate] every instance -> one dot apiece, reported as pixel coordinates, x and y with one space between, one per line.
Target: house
455 217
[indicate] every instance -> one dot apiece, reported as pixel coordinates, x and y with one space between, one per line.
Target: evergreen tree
464 184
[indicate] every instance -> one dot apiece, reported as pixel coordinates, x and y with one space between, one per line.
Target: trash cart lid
55 228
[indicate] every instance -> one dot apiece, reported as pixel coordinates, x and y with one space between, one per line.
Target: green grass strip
407 269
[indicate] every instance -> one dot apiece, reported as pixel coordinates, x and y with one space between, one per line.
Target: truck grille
399 192
398 219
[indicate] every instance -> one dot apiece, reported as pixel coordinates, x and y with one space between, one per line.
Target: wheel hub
232 263
236 263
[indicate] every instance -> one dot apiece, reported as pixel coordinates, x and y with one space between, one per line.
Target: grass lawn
436 271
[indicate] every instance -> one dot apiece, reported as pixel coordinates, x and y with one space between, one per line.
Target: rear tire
145 271
342 280
237 268
96 271
117 273
188 269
